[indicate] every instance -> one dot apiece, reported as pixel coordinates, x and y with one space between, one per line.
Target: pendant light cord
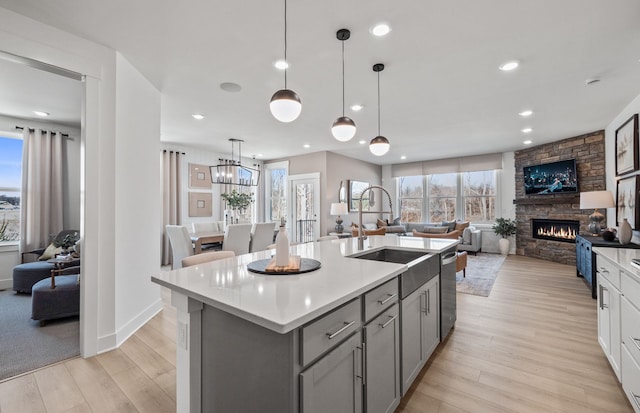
378 103
342 78
286 63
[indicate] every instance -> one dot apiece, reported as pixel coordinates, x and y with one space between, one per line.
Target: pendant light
344 128
285 103
379 145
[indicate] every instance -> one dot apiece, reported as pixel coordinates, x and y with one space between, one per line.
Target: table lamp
595 200
339 208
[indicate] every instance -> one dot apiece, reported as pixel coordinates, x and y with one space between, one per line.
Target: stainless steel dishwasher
447 291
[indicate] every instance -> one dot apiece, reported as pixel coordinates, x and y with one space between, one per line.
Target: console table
586 258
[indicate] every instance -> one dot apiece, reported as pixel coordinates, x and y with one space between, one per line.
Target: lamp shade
379 145
596 199
285 105
339 208
343 129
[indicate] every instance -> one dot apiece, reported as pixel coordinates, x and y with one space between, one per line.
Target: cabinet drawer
631 289
380 298
631 379
324 333
630 320
608 270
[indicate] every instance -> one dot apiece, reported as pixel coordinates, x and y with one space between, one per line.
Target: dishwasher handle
450 258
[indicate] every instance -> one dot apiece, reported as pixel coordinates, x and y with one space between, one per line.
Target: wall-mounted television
551 178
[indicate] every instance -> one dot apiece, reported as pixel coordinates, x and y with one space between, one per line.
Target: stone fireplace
588 151
555 229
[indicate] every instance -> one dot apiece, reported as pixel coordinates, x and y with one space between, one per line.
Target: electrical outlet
183 330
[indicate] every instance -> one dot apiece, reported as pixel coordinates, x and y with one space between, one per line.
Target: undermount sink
392 255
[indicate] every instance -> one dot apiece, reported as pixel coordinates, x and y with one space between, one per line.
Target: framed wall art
626 198
199 176
627 146
355 191
199 204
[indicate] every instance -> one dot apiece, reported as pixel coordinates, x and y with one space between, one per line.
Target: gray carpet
482 270
24 345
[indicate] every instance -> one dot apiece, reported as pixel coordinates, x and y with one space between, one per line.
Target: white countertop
284 302
623 257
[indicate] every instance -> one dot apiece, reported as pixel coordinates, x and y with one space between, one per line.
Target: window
10 183
276 190
411 193
467 196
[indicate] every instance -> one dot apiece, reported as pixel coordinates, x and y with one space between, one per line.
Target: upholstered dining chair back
261 235
210 226
237 238
206 257
181 245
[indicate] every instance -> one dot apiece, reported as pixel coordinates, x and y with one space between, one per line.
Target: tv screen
551 178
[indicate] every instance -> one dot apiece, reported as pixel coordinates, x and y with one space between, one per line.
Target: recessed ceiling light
356 108
230 87
43 114
380 29
527 130
509 66
362 142
403 157
527 142
198 116
260 155
526 113
281 64
306 145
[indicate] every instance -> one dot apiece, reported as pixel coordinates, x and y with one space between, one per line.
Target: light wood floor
529 347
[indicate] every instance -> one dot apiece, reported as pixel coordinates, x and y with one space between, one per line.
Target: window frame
18 190
268 169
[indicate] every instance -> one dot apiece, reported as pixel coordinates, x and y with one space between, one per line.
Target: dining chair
261 236
209 226
328 238
237 238
206 257
181 245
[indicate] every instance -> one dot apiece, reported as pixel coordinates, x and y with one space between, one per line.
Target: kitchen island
252 342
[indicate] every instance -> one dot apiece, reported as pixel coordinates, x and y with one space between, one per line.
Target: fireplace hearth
555 229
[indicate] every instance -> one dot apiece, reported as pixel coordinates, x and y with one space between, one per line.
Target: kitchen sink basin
391 255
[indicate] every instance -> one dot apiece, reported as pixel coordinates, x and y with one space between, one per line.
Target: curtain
171 165
41 197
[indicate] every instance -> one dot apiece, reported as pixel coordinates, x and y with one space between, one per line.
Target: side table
59 263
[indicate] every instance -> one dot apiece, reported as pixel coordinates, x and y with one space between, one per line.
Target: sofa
470 237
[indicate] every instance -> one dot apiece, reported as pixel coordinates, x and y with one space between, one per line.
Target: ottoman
63 301
25 275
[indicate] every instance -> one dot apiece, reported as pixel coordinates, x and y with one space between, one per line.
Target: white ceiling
442 94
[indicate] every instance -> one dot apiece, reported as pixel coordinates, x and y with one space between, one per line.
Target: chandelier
232 172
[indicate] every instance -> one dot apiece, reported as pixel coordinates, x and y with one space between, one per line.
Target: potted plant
237 202
505 228
68 241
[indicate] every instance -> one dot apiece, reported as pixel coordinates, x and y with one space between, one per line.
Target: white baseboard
112 341
6 284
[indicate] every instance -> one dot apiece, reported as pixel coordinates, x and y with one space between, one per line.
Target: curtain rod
61 134
166 150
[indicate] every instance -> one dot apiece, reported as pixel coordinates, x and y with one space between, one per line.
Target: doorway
304 197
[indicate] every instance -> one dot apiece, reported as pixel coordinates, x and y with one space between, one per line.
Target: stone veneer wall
588 151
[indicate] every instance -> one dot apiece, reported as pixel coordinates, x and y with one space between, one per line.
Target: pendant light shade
379 145
344 128
285 104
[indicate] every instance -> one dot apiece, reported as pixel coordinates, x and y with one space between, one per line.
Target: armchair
471 240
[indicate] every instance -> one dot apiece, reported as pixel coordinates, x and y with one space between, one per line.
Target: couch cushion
381 223
466 236
435 230
451 225
460 226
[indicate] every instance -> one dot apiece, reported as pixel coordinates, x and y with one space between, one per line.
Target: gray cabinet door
412 332
382 361
334 383
431 318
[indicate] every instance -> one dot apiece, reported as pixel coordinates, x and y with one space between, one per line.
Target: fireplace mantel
548 200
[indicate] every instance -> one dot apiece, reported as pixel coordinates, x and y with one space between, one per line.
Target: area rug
482 270
24 345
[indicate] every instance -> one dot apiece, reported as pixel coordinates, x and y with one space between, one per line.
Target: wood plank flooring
530 346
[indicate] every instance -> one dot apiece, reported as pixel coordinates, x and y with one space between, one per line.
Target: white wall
138 205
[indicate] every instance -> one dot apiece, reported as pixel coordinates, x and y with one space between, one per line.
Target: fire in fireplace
555 229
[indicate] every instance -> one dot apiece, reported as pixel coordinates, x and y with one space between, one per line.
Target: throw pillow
462 225
466 236
435 230
50 252
369 226
381 223
451 225
396 221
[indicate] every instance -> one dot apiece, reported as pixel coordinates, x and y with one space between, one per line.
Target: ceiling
441 92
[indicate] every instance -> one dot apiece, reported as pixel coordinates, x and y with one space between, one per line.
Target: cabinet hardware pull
636 399
429 301
601 296
423 309
346 325
364 363
389 321
635 341
386 300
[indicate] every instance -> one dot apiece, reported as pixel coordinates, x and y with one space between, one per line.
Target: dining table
205 237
